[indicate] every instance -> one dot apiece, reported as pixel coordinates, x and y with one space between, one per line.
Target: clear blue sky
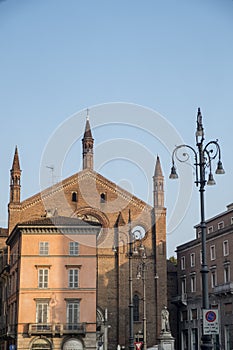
60 57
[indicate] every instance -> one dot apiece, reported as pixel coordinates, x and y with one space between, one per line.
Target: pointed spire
158 168
88 143
87 132
15 179
158 181
15 164
120 221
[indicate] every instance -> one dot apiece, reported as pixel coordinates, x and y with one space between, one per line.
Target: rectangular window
212 252
226 273
193 283
220 225
210 229
193 314
182 262
72 314
213 278
192 259
43 276
73 248
43 248
42 312
225 248
231 220
195 339
73 278
183 286
184 315
228 337
184 339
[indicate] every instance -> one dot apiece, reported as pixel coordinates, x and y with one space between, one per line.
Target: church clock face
138 232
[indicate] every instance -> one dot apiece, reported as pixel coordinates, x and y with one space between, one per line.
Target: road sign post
210 322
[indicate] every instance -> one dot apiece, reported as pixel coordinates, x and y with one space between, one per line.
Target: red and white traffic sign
138 345
210 322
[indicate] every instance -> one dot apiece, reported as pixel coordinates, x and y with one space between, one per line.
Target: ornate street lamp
203 158
142 274
130 254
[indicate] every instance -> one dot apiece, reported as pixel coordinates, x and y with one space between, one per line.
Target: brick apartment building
219 247
90 197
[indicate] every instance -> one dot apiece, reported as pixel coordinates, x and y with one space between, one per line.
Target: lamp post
203 158
131 333
142 274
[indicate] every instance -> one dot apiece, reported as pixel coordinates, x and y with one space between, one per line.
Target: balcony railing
180 299
8 331
226 288
11 330
56 328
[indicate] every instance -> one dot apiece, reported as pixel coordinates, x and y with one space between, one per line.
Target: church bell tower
15 179
88 143
158 185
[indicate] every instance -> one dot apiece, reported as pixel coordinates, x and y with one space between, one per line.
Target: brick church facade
91 198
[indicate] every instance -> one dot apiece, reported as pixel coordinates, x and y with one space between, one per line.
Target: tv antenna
52 173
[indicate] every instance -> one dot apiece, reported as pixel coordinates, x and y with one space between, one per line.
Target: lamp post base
206 343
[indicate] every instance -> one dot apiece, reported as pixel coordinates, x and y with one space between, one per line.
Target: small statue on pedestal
165 327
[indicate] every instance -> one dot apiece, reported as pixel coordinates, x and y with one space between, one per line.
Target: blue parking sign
12 347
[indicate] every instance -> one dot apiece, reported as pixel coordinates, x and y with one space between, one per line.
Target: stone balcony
56 328
180 299
225 288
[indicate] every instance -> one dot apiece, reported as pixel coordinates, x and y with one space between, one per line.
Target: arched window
73 344
102 198
136 308
74 196
41 343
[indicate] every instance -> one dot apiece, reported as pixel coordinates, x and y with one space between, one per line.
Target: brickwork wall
113 280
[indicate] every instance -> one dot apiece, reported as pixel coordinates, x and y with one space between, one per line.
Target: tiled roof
3 232
58 221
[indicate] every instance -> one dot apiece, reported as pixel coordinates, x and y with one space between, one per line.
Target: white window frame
183 286
220 225
194 336
225 248
73 312
43 248
212 252
192 259
73 278
73 248
210 229
182 263
193 283
191 314
227 273
213 278
42 312
43 278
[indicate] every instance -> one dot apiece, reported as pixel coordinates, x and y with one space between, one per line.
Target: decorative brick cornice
76 178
